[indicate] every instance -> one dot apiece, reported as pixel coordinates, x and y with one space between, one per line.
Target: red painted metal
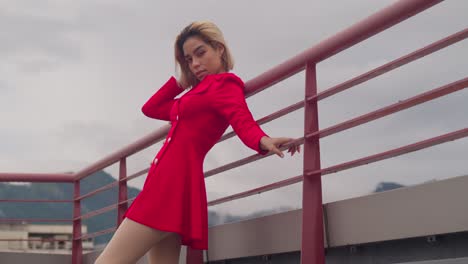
270 117
35 177
348 165
128 200
402 105
433 47
135 175
32 220
129 150
98 233
312 251
122 207
347 38
235 164
104 209
194 256
35 201
258 190
112 184
35 239
77 246
312 213
394 152
97 212
98 190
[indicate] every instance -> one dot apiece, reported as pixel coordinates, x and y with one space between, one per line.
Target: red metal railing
312 237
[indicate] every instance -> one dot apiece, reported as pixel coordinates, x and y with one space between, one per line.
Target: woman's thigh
166 251
130 242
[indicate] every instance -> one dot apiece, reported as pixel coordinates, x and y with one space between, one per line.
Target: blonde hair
211 35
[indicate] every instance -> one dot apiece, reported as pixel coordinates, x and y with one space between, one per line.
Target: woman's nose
195 64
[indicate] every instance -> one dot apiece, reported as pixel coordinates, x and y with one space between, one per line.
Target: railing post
312 215
77 246
194 256
122 207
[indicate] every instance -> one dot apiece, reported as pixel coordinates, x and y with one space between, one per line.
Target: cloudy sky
74 75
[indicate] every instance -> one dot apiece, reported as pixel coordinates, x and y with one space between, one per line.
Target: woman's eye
199 54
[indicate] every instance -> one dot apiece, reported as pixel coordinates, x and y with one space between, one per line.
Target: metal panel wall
434 208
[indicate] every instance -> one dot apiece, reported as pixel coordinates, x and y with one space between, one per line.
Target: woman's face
202 58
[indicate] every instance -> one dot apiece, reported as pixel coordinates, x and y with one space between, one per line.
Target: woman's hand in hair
274 145
182 83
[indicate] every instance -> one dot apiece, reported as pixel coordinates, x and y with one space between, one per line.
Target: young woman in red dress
171 210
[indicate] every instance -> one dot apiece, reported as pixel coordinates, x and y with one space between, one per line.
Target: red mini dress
173 197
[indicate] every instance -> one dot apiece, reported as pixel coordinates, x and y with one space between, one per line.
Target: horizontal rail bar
95 234
35 239
34 201
431 48
402 105
126 201
31 220
129 150
96 212
236 164
98 190
103 210
135 175
35 177
269 118
347 165
258 190
111 185
360 31
394 152
461 35
395 64
347 38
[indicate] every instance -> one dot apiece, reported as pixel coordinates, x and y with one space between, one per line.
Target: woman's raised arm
160 104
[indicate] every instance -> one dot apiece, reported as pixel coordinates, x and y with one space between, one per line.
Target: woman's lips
200 73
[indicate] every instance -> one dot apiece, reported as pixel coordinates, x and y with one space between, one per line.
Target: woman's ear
220 49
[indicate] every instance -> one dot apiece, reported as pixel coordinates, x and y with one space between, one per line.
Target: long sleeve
229 100
160 104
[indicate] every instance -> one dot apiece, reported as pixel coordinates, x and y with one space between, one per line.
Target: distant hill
386 186
217 219
64 191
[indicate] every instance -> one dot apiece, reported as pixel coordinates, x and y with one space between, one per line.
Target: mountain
218 219
64 191
386 186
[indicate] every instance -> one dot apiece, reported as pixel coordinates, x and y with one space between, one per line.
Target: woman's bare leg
130 242
166 251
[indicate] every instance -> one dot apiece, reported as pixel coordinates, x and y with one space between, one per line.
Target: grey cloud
100 135
126 53
4 87
36 42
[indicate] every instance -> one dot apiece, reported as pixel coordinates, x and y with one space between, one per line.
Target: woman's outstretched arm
229 101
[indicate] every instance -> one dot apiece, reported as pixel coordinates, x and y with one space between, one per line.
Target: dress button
155 160
169 139
177 117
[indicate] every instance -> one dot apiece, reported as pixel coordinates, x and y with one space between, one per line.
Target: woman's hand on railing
274 145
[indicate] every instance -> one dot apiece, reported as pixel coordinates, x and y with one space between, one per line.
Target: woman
171 209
